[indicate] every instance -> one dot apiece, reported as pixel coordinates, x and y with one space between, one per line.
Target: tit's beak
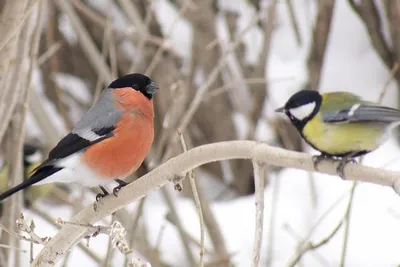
151 88
280 110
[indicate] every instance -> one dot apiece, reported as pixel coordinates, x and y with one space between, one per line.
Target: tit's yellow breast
341 138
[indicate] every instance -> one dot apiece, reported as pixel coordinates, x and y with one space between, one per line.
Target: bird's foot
121 184
343 162
101 195
317 160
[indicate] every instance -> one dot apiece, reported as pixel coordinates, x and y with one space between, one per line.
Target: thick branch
260 152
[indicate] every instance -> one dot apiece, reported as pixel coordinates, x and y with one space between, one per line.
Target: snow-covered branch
69 235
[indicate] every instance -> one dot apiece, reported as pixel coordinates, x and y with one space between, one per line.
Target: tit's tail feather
38 176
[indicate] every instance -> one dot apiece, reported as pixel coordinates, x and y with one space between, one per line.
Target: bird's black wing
363 112
73 143
37 177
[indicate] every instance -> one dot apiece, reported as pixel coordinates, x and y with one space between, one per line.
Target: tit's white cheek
35 157
303 111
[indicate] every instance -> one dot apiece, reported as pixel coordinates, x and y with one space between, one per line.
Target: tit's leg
101 195
343 162
318 158
121 183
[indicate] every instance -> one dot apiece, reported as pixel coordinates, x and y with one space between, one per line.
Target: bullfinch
109 142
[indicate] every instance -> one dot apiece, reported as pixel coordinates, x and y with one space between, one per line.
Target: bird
107 144
340 125
31 158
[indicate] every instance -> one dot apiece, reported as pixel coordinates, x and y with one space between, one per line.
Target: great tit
339 124
32 157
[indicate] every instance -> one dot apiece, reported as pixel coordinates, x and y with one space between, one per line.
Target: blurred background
223 66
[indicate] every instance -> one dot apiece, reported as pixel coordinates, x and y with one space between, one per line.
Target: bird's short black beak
280 110
151 88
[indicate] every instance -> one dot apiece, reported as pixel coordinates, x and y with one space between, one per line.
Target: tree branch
320 35
259 180
69 235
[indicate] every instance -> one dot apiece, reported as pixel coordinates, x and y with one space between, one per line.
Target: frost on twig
117 234
30 230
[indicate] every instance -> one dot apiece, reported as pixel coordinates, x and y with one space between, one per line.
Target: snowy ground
351 65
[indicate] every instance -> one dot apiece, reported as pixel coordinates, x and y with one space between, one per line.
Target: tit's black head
32 154
302 107
137 81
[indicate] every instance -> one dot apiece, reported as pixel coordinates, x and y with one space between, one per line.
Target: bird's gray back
102 115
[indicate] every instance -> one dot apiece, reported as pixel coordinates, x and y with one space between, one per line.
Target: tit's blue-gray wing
363 112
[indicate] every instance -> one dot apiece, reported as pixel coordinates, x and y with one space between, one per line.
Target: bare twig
133 14
347 225
261 68
309 246
109 252
104 51
51 221
116 232
197 202
129 34
393 73
192 239
30 230
160 49
186 242
313 246
272 221
16 30
259 179
22 237
320 36
293 22
86 42
200 93
135 224
250 81
160 237
10 247
15 116
368 12
53 49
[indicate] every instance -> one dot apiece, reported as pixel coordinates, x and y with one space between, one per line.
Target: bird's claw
121 183
116 190
317 160
342 165
100 196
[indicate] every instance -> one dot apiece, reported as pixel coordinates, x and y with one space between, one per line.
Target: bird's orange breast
123 153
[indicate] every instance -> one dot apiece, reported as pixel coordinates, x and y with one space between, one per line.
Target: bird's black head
32 154
137 81
302 107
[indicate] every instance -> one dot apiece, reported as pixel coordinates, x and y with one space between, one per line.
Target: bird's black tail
38 176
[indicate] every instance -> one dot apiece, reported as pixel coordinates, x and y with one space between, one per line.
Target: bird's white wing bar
363 112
